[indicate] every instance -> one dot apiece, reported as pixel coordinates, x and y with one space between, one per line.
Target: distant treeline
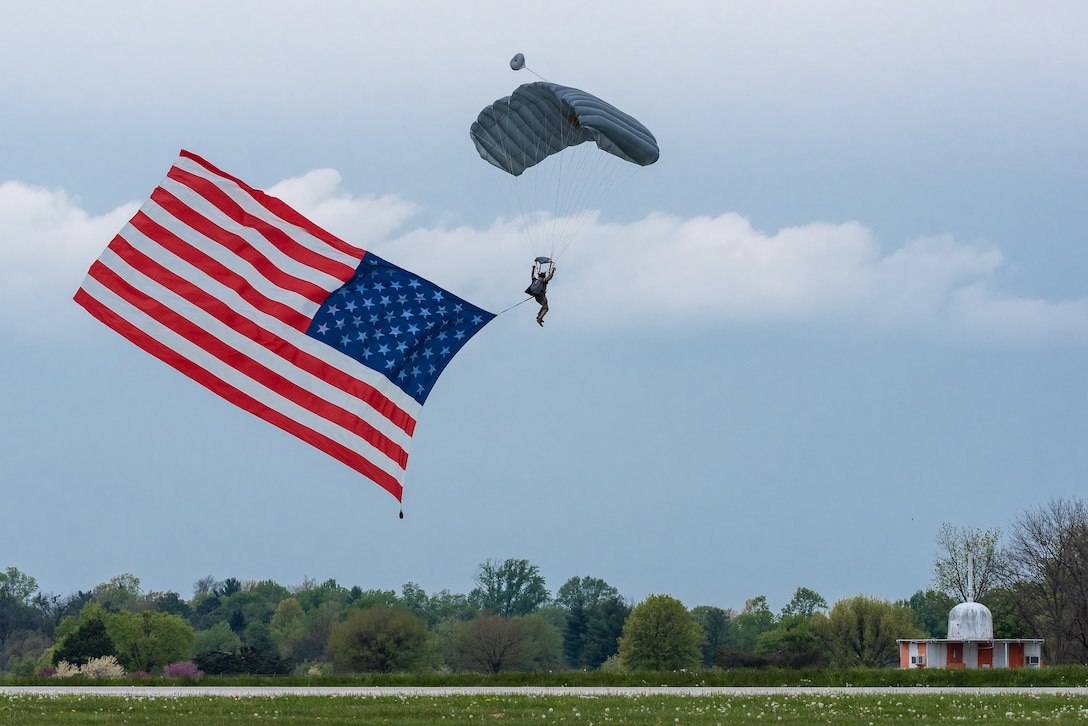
1035 582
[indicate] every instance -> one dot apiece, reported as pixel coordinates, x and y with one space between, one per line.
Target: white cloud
660 270
315 193
47 242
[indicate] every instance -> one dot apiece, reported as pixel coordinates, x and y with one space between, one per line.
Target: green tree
443 605
90 639
169 602
969 561
491 643
583 591
579 597
603 630
307 641
660 635
329 593
22 652
228 587
804 602
217 639
861 632
247 660
931 608
513 587
285 622
149 639
379 639
756 618
362 599
19 612
1008 622
17 585
122 592
793 643
715 622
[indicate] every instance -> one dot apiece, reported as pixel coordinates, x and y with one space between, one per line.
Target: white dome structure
970 621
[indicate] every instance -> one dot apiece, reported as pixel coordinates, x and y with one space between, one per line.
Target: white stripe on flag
258 210
231 376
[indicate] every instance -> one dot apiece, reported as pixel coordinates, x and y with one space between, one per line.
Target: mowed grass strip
796 708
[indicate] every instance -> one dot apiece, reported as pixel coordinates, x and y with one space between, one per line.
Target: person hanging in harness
538 287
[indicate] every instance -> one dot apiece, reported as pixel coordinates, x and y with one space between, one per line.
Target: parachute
537 135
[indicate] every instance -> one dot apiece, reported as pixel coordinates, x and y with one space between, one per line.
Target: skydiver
538 289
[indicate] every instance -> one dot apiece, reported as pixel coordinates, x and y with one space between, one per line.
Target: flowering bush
46 673
312 670
104 667
187 669
139 674
66 670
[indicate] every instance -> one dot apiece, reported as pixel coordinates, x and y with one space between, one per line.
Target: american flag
247 297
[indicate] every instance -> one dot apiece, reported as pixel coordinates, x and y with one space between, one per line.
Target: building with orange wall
971 644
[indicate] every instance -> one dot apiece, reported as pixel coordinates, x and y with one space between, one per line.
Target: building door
1016 655
955 655
985 655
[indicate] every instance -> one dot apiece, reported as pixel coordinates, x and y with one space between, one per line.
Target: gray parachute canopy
541 119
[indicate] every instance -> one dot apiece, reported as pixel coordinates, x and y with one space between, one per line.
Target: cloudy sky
849 303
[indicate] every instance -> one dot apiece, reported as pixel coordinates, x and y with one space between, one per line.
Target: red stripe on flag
243 249
279 208
240 361
221 273
238 398
276 236
305 362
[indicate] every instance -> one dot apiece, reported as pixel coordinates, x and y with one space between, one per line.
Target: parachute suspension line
563 176
512 307
517 189
537 74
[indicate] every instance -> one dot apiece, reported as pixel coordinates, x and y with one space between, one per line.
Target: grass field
785 707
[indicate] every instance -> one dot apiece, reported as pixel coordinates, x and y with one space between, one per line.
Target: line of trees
1035 582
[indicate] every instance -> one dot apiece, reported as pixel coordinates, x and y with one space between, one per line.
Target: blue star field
398 324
